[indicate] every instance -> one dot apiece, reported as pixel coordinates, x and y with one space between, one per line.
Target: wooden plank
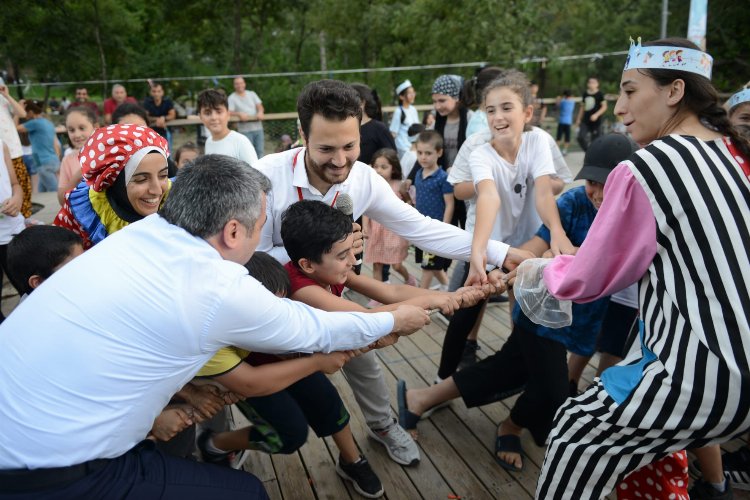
293 480
321 469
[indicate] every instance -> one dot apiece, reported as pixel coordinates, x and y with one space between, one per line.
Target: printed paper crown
666 57
738 98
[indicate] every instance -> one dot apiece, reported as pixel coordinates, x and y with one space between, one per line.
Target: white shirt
235 145
461 170
247 103
407 161
401 128
9 226
373 197
514 182
8 132
627 296
90 358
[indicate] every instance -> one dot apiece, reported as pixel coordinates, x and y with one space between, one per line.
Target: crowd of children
490 171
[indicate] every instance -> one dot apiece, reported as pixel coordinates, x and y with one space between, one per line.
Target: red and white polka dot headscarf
115 148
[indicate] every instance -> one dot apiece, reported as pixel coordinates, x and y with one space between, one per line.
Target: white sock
211 448
720 487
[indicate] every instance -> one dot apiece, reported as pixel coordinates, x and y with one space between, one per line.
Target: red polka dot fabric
109 148
664 479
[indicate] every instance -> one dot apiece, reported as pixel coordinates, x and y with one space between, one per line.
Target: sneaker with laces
398 443
703 490
737 467
363 478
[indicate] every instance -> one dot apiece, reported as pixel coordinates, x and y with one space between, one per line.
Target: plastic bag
534 298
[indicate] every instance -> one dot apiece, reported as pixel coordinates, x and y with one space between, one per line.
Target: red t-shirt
300 280
110 104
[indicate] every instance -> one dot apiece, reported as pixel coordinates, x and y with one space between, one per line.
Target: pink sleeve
618 249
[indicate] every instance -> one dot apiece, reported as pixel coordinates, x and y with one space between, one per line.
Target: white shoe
398 443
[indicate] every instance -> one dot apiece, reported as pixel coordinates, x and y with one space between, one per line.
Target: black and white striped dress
692 384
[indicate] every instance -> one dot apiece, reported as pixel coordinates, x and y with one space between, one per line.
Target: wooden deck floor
456 443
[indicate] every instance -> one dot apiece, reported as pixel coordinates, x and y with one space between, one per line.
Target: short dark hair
212 99
129 108
156 84
270 273
332 99
309 229
38 250
33 105
432 138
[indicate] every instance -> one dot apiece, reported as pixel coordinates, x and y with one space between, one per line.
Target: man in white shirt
214 113
330 114
247 106
87 364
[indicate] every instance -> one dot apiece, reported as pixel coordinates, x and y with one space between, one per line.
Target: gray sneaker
398 443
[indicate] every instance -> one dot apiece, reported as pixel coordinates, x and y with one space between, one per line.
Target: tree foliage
75 40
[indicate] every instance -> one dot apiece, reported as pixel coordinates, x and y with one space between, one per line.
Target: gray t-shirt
247 103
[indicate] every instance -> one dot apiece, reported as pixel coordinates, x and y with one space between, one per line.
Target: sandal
406 419
509 443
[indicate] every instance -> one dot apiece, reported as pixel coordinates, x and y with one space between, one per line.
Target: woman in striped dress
676 218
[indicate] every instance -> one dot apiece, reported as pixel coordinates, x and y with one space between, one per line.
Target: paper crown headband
738 98
403 86
667 57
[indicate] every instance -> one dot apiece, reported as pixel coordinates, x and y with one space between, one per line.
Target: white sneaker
398 443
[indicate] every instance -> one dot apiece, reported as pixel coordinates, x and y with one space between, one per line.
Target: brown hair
517 82
432 138
700 96
474 88
392 157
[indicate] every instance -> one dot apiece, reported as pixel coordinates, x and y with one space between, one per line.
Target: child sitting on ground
533 360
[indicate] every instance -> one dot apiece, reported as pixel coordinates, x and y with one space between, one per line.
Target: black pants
145 472
527 362
458 331
588 132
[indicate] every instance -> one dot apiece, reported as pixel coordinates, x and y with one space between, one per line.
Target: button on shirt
90 358
430 191
373 197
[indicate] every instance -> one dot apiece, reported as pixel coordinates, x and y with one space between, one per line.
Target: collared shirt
94 354
372 196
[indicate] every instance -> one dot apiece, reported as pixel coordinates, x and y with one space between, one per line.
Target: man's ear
35 280
230 235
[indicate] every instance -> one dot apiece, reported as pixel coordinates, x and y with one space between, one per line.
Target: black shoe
209 457
573 388
469 356
702 490
362 477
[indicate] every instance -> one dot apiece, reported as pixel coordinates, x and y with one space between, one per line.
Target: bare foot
508 427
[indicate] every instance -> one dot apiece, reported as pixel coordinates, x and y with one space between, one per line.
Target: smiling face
643 106
332 149
506 114
334 265
444 104
119 94
407 96
148 184
216 120
79 128
595 193
82 95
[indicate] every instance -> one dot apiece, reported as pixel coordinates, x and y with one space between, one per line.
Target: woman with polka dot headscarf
124 179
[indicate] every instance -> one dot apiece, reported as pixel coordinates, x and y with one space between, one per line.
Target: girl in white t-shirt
514 165
11 197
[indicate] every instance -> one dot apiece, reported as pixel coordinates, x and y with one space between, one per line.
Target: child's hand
448 303
477 275
471 295
497 283
170 422
206 399
11 206
382 342
332 362
561 245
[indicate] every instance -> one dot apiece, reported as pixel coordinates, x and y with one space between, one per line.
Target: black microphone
345 205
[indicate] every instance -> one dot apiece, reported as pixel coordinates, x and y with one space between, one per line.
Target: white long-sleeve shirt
90 358
372 196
